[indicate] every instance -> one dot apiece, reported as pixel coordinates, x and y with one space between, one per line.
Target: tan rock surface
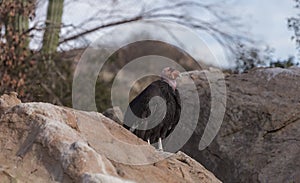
45 143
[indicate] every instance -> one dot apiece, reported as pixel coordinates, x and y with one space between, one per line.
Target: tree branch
100 27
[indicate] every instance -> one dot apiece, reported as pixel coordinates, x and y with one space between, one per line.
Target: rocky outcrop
45 143
259 140
114 114
7 101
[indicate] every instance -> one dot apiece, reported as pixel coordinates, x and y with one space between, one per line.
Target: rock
260 134
114 114
45 143
7 101
95 178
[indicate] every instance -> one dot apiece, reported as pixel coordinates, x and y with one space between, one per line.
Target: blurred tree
290 61
22 69
14 39
294 25
250 57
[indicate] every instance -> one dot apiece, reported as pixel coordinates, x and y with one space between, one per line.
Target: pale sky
264 20
267 21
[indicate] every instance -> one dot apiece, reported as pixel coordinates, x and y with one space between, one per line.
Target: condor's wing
138 116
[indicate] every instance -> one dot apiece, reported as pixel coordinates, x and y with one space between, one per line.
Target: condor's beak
175 74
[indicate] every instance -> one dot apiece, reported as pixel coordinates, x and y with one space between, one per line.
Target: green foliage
53 80
284 63
102 95
249 58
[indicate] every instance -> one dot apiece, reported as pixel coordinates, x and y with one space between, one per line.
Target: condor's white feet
160 147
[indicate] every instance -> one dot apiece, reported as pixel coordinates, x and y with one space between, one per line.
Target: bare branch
220 26
101 27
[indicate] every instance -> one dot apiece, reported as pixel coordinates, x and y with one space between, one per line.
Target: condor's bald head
170 75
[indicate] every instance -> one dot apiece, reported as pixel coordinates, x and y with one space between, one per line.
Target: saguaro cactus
53 26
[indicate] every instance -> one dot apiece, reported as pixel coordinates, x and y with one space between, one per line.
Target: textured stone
114 114
260 135
45 143
7 101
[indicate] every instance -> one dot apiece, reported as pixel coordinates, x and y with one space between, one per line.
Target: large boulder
259 140
41 142
7 101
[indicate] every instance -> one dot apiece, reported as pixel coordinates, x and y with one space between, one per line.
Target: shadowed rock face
115 114
45 143
259 140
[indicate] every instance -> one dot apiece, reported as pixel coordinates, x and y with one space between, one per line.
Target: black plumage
141 108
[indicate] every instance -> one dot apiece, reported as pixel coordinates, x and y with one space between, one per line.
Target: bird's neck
171 82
